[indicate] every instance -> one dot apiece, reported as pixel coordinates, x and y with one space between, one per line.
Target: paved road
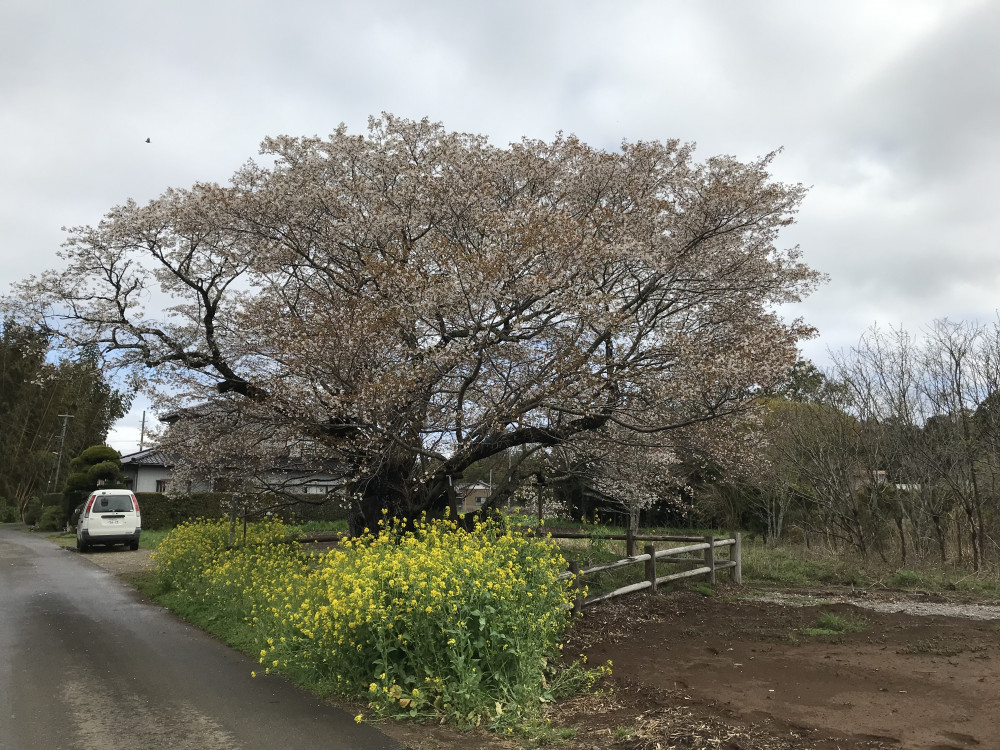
84 664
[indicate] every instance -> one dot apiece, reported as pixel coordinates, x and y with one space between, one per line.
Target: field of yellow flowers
426 621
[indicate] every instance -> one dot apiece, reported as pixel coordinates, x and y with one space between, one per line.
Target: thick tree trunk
391 490
376 494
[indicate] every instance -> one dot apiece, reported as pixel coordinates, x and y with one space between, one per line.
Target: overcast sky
889 111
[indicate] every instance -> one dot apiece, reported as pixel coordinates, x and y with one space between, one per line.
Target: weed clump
830 623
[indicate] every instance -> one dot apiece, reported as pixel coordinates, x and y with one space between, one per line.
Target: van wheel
81 545
133 546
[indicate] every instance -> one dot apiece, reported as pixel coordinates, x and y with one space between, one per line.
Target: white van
109 517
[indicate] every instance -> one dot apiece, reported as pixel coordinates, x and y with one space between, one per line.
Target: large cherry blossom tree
410 301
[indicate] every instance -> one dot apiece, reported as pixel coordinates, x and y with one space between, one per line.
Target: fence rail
707 565
708 568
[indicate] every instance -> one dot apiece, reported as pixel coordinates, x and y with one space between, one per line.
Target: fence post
710 559
650 550
736 552
574 568
629 541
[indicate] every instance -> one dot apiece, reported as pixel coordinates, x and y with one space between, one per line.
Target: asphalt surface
85 663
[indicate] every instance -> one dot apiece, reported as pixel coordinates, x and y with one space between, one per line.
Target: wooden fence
707 564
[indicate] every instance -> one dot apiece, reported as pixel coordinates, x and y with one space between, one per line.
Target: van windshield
113 504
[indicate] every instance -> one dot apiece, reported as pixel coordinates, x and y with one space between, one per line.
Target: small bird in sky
147 140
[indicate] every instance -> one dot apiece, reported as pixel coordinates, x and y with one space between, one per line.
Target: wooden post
629 541
710 559
650 550
574 568
736 553
540 519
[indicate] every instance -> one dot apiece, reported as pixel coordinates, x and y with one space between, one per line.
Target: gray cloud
887 110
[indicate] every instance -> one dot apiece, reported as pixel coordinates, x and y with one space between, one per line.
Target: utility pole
52 473
142 430
62 442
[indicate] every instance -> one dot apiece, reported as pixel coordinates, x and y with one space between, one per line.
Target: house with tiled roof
151 470
147 470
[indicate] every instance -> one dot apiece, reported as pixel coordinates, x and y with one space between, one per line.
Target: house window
162 484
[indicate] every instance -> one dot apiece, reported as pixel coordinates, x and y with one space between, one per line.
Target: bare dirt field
919 682
736 670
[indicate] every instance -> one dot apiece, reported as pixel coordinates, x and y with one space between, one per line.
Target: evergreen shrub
52 518
32 512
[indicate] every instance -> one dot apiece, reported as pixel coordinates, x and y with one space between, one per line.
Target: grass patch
787 566
832 624
62 538
545 735
221 622
981 585
152 539
910 579
840 623
623 733
796 565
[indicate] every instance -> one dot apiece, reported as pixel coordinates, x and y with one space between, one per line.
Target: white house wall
144 478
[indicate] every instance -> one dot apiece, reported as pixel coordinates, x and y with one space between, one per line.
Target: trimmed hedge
161 511
332 510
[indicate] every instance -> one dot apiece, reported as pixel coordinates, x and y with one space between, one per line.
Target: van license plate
114 523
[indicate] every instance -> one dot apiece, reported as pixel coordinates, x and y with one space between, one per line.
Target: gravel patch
119 561
970 611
